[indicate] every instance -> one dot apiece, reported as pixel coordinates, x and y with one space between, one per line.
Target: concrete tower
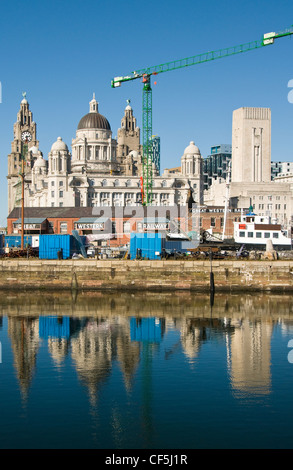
251 145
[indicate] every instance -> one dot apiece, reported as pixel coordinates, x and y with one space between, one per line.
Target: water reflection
97 330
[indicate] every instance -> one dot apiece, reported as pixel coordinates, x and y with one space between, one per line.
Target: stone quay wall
164 275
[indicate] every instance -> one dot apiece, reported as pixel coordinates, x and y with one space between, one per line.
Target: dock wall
193 275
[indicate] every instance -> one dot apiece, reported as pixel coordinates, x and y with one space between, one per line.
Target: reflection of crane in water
149 332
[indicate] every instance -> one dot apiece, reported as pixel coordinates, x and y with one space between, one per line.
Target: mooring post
212 284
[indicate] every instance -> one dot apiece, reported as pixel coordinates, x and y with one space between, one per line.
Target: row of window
258 234
128 183
270 206
53 193
269 198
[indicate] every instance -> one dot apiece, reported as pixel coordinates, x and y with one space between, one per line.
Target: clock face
26 136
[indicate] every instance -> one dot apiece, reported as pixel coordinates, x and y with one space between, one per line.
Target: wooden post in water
212 284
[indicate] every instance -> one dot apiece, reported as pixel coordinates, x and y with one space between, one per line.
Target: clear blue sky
60 52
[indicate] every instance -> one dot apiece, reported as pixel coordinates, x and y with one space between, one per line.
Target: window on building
60 183
126 227
267 235
60 193
275 235
63 227
213 222
52 194
242 234
258 234
250 234
104 183
51 227
128 183
52 183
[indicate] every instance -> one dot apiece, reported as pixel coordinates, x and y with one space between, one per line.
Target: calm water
152 371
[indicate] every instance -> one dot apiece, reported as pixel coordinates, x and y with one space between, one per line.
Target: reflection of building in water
93 351
195 331
190 340
128 352
58 348
250 358
58 330
24 336
97 346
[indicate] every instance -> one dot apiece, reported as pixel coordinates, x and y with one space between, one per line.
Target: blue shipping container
150 245
49 245
15 241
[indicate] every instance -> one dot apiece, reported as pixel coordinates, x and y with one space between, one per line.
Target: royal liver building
99 171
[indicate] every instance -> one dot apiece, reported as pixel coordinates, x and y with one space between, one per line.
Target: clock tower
24 131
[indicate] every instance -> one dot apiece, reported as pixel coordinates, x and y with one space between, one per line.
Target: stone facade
229 276
101 171
251 145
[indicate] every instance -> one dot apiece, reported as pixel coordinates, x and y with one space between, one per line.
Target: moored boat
254 232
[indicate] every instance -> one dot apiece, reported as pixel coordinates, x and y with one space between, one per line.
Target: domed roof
40 162
192 149
59 145
94 121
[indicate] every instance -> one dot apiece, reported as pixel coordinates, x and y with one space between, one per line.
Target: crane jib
145 74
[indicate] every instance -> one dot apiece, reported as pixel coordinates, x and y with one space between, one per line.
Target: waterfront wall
194 275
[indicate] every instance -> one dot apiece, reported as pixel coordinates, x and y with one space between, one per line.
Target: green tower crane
145 76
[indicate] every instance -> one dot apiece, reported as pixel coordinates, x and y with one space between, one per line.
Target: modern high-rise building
216 164
278 168
156 145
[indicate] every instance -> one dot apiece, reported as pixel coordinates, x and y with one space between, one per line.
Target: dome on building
94 121
59 145
192 149
40 162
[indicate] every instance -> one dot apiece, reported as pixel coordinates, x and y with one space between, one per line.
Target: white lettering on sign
90 226
30 226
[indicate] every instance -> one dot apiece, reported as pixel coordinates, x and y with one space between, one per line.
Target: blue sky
60 52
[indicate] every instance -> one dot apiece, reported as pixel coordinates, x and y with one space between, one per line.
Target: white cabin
255 230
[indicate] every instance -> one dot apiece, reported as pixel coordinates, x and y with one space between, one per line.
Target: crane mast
145 76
